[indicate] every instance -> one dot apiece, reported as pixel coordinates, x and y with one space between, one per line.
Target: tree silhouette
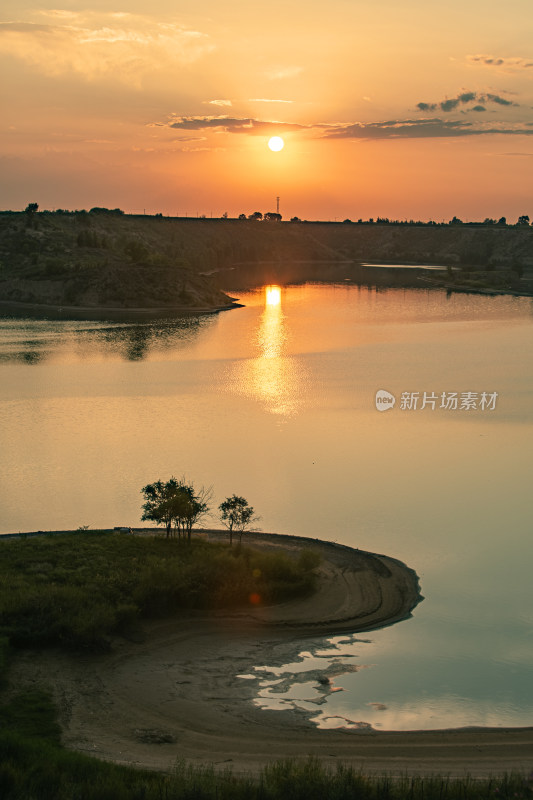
236 515
156 507
175 502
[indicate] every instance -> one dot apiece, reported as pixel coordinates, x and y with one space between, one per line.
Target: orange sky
407 110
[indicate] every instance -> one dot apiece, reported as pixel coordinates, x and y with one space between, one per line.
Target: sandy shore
178 694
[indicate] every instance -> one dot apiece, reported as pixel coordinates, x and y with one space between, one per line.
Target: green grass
33 766
77 589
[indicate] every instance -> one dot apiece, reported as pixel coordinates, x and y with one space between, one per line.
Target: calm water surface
275 401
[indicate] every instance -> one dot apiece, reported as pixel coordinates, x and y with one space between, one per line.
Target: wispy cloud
433 128
246 125
218 102
422 129
466 99
507 64
190 139
267 100
102 45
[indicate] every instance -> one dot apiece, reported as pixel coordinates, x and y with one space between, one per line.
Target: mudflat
177 692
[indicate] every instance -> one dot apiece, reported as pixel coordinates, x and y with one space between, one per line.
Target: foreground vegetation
77 589
34 766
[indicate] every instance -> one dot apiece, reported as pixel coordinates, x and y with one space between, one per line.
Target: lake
276 402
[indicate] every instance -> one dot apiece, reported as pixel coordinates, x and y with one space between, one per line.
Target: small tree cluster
175 502
269 216
177 505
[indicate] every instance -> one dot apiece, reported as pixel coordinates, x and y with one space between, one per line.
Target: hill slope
100 261
111 260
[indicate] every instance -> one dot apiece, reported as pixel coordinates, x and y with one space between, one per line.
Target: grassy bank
77 589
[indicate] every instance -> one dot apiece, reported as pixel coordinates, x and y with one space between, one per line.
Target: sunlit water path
276 402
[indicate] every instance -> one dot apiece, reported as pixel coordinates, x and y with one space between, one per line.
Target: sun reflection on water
273 296
275 376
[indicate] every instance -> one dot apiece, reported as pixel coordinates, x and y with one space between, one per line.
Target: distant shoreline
103 313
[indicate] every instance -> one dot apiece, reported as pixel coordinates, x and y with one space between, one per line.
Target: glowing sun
276 143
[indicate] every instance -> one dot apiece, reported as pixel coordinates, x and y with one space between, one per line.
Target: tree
188 506
236 515
255 215
523 220
175 502
157 507
31 219
272 216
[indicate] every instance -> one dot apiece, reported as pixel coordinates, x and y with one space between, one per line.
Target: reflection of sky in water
348 684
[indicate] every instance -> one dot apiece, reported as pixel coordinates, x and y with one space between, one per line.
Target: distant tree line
272 216
269 216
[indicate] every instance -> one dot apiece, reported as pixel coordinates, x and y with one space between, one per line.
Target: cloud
433 128
190 139
267 100
494 98
507 64
421 129
203 149
465 98
219 102
246 125
102 45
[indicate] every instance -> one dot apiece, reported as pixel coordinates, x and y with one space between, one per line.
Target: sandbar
175 693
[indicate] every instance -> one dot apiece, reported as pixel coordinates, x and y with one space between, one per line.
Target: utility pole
277 205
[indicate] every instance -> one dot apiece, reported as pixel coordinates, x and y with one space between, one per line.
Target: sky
408 110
